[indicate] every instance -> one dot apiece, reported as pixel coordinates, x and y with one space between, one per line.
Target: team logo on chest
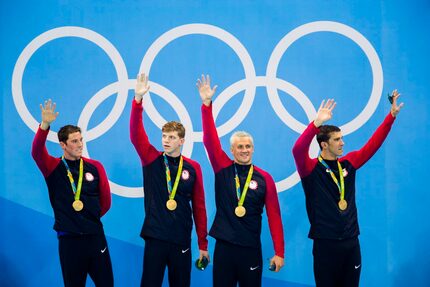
344 172
89 176
253 185
185 174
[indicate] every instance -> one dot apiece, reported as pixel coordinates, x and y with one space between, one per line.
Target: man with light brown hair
171 181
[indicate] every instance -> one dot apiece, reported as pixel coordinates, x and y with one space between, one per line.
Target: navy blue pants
157 255
234 264
82 255
337 263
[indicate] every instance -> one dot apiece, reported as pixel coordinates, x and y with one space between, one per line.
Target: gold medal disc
171 204
342 204
240 211
78 205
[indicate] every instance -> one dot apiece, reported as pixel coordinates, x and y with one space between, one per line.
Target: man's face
334 146
73 146
172 143
242 150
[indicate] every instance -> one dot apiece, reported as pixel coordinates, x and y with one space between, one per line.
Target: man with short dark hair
242 190
79 193
171 181
329 185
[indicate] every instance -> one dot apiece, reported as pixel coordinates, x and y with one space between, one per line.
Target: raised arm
217 156
138 136
44 161
304 163
360 157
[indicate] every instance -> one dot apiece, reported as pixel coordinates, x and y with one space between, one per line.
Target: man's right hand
48 114
324 112
141 87
205 90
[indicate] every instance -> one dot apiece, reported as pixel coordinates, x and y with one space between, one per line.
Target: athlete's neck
173 154
242 163
328 156
69 157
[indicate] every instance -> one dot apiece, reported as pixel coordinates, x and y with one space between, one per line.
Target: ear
63 145
324 145
181 141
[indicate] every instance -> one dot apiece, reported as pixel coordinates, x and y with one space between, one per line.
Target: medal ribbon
172 192
76 191
341 186
241 195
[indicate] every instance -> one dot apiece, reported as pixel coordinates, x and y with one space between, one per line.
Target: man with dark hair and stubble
80 195
329 185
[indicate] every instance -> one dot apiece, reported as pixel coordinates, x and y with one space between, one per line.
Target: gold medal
240 211
78 205
342 204
171 204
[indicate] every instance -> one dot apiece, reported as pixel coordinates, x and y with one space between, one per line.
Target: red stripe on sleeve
304 163
199 208
274 214
105 197
138 136
44 161
217 156
360 157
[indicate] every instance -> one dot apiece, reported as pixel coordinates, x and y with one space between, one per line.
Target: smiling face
242 149
73 146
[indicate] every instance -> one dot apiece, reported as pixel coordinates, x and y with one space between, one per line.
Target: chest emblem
253 185
89 176
185 174
345 172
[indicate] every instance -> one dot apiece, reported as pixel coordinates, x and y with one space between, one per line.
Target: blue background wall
274 61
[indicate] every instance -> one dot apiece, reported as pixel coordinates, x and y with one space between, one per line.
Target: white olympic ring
230 40
62 32
326 26
249 85
111 89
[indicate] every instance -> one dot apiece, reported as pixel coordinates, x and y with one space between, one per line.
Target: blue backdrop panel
273 61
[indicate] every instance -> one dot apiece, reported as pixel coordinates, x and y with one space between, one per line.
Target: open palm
205 90
142 86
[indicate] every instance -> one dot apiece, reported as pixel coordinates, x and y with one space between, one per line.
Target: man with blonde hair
171 181
241 192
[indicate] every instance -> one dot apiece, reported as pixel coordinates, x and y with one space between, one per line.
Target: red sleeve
360 157
44 161
104 188
304 163
274 215
199 208
138 136
217 156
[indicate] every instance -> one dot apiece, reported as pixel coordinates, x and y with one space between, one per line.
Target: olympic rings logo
249 85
